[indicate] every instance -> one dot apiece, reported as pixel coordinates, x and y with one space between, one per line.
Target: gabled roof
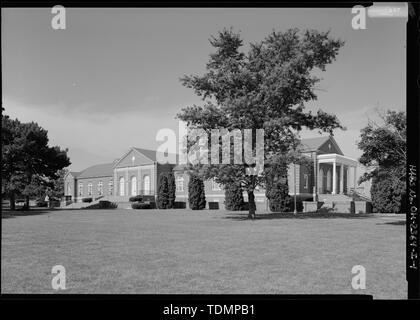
315 144
99 170
147 153
74 173
151 154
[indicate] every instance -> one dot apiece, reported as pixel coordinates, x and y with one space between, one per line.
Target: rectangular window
179 184
90 189
80 189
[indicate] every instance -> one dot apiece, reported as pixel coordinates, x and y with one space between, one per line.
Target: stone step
334 197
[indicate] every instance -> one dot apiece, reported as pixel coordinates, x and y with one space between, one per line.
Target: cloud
93 136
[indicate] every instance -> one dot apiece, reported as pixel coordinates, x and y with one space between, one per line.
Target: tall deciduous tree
28 161
265 88
384 154
384 146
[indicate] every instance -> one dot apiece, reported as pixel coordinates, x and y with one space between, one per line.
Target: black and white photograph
206 150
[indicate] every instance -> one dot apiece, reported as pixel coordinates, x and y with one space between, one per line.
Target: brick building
137 172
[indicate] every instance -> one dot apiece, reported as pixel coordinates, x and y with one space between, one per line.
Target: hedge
42 204
87 199
388 195
171 190
277 189
135 198
104 204
196 195
234 199
139 205
163 191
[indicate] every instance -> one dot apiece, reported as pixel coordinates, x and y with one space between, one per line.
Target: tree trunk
252 207
26 206
12 201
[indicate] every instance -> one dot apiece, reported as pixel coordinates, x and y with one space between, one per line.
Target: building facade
137 173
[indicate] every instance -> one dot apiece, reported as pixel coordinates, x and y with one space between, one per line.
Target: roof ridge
100 169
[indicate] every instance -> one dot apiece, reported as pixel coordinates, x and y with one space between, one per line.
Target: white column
354 181
347 179
334 177
115 184
318 178
138 180
341 178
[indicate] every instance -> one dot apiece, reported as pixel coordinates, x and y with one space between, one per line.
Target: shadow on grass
280 215
7 214
394 223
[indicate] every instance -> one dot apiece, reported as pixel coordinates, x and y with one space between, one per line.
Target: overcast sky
111 79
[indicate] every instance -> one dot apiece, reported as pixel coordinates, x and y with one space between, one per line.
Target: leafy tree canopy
28 161
264 88
384 146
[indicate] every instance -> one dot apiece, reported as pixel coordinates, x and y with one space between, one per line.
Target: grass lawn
182 251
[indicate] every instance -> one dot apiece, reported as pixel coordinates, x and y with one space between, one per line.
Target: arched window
100 188
133 185
179 182
122 184
68 189
146 184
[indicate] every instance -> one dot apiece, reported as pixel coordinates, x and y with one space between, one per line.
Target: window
68 189
110 187
215 186
90 189
100 188
179 182
306 181
133 185
80 189
146 184
122 183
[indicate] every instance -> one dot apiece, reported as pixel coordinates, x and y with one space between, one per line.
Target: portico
336 173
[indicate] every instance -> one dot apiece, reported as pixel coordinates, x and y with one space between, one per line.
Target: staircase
342 203
334 197
81 205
